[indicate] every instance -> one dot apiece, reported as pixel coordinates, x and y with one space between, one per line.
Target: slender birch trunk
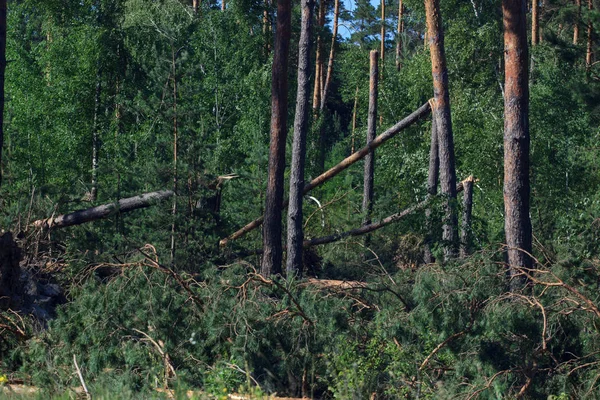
295 234
96 137
441 113
465 232
354 111
272 227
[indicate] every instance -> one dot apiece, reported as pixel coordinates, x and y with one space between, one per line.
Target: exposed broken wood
103 211
423 111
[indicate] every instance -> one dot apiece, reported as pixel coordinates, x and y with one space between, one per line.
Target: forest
277 199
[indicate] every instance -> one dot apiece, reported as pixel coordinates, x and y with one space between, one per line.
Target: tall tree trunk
175 143
295 234
319 58
195 4
441 113
465 232
576 24
223 5
2 72
382 46
267 28
336 14
590 34
96 138
273 253
399 35
354 111
535 22
367 205
517 224
432 186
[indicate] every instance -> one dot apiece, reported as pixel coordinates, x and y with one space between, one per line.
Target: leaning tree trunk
367 205
273 256
432 184
420 113
295 235
517 224
336 14
576 24
2 71
399 35
441 114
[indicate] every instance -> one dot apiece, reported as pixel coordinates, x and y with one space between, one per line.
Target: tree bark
441 113
423 111
195 4
517 224
273 256
590 34
354 111
399 35
319 58
103 211
576 24
432 184
367 205
535 21
336 14
465 233
295 234
2 72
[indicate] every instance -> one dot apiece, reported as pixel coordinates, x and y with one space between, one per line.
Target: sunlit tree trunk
195 4
382 49
535 21
441 114
272 227
576 24
295 234
367 205
319 58
399 35
336 14
517 223
223 5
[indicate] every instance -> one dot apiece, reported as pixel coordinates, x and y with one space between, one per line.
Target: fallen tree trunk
375 225
423 111
363 229
103 211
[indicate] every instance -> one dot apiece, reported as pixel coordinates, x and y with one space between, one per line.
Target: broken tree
103 211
